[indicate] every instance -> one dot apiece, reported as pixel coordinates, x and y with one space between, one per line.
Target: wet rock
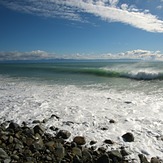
108 141
53 128
79 140
102 149
11 139
104 128
39 129
19 146
112 121
14 126
59 151
29 141
124 152
128 137
38 144
86 156
3 154
48 158
54 116
77 151
77 159
36 121
128 102
15 157
29 132
44 120
115 154
69 123
103 159
64 134
143 159
155 160
7 160
92 142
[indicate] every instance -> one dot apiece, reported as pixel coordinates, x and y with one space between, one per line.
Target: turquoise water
117 75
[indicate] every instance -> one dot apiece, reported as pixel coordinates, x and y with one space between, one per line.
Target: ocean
86 95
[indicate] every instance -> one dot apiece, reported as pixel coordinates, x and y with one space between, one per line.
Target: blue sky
86 29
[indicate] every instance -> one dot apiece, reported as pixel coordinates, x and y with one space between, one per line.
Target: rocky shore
24 144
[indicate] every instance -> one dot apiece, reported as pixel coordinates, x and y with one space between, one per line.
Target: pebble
33 145
79 140
128 137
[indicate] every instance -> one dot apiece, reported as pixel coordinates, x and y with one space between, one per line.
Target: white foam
90 109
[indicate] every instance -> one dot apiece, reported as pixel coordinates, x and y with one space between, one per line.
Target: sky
81 29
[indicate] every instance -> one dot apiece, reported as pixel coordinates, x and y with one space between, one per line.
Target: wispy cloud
42 55
108 10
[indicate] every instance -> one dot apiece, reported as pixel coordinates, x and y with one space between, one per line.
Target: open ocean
86 95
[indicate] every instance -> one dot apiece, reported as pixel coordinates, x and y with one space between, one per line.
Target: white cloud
124 6
41 55
105 9
159 7
33 55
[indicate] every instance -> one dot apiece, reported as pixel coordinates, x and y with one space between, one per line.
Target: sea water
86 95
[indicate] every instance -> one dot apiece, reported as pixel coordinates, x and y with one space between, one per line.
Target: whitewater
85 97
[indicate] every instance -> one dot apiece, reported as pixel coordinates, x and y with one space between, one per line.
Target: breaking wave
112 72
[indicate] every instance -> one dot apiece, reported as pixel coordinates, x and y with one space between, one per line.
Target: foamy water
90 108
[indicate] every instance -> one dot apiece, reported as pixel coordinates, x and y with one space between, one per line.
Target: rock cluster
25 144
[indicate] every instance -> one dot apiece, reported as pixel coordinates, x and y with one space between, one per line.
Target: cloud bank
42 55
33 55
108 10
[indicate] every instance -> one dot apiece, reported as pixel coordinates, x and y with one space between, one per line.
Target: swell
103 72
134 74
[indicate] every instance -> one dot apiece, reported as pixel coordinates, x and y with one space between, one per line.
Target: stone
14 126
29 141
92 142
39 129
19 146
108 141
11 139
128 102
38 144
44 120
103 159
86 156
54 116
15 157
28 132
3 154
50 145
102 149
79 140
104 128
59 151
124 152
7 160
64 134
54 128
48 158
36 121
155 160
77 151
143 159
115 154
76 159
128 137
112 121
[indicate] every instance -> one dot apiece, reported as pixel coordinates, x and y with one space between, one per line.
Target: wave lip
143 75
